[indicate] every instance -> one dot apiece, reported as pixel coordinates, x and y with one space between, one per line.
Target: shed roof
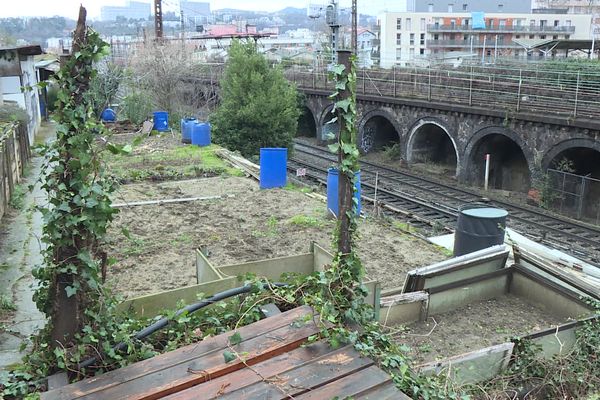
29 50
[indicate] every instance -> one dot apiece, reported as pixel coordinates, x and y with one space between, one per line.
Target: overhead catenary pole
158 19
354 28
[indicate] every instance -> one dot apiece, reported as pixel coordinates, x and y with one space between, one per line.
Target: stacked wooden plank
269 362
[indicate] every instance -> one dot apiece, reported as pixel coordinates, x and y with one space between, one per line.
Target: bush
259 107
10 112
52 96
136 107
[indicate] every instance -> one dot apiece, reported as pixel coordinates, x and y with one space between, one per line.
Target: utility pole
158 20
331 17
182 30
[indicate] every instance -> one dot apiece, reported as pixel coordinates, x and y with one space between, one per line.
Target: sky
69 8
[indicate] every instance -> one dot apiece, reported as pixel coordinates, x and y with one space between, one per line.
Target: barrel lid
485 212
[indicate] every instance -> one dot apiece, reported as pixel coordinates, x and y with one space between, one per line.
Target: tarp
478 18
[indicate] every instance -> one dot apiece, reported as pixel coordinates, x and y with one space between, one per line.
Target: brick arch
565 145
377 112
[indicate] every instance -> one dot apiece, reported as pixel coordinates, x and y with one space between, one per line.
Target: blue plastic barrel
201 134
273 167
161 121
333 191
186 129
108 115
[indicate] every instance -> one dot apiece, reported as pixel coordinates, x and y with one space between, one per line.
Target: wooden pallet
271 363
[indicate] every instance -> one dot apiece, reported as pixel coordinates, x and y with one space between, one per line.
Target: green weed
6 303
17 198
306 221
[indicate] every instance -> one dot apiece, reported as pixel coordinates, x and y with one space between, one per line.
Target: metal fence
577 196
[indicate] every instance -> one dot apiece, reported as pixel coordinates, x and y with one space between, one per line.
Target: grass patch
446 252
297 188
306 221
6 303
170 164
17 198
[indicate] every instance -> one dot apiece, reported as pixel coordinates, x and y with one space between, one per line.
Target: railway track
433 206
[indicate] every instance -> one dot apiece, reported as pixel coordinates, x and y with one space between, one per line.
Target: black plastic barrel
479 226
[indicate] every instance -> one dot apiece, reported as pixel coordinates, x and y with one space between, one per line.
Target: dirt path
252 225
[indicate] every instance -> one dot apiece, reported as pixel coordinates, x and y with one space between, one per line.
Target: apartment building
488 6
409 37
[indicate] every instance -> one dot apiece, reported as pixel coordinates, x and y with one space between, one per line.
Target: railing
14 155
498 28
574 195
507 90
467 44
510 88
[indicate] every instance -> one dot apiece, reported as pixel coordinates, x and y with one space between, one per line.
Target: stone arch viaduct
522 147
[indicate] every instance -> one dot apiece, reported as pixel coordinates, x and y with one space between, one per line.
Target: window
398 39
531 36
532 22
422 39
567 37
502 23
453 23
500 7
430 7
450 7
412 39
423 24
556 22
465 38
554 37
412 53
466 22
398 54
543 23
542 36
408 24
436 37
517 36
398 24
568 22
465 7
421 51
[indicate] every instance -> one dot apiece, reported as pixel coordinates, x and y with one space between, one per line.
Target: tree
258 105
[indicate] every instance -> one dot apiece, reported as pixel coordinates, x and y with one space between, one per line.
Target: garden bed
473 327
154 244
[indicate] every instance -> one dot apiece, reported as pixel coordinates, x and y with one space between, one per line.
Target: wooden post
345 182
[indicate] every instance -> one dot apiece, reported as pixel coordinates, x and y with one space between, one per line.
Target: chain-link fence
577 196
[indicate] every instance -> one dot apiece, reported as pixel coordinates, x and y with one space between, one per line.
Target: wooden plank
321 371
245 377
193 372
351 385
183 355
387 391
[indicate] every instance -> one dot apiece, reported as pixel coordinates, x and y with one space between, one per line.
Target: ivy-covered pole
349 267
79 207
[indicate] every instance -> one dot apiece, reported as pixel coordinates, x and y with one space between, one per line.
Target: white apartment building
407 38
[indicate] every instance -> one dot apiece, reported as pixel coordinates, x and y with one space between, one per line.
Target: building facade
457 6
133 10
412 37
17 70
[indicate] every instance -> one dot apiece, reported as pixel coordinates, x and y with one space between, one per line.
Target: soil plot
154 244
473 327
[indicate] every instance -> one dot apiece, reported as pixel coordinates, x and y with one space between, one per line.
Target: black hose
163 322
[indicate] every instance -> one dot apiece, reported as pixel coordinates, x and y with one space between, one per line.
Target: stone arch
307 123
592 146
429 139
323 128
377 128
512 165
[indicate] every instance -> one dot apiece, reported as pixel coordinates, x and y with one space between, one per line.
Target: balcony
501 29
466 44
